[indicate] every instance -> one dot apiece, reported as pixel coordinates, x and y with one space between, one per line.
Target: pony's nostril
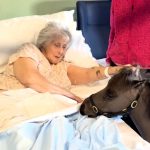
82 109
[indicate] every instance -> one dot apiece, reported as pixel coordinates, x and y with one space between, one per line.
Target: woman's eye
64 46
57 45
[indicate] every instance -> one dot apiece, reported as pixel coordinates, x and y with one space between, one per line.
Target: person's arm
79 75
26 71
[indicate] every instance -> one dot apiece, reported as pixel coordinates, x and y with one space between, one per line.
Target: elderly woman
42 68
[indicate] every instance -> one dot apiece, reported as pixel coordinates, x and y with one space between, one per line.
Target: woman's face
56 50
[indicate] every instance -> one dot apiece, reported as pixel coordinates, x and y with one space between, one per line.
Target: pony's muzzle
82 107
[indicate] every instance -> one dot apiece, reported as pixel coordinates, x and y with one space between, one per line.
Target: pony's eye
109 95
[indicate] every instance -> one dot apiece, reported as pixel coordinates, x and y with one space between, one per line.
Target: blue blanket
73 132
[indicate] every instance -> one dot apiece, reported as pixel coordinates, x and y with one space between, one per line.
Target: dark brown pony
127 92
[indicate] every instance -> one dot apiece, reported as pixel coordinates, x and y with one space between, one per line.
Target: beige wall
17 8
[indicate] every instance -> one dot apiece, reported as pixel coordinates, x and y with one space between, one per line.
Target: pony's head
119 96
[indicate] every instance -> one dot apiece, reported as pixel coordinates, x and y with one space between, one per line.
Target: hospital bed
44 121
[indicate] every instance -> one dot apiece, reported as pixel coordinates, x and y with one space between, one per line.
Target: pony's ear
135 76
137 83
145 74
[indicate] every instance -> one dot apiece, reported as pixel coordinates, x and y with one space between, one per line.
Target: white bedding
31 120
21 108
24 104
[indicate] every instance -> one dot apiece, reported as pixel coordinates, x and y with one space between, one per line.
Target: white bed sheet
25 105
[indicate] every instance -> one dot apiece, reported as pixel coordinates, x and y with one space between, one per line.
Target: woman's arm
26 71
79 75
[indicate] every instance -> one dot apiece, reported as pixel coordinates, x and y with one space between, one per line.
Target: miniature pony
127 92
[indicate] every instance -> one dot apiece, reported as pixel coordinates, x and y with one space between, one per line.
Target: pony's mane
124 75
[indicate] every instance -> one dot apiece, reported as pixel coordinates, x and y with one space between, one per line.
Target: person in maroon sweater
129 41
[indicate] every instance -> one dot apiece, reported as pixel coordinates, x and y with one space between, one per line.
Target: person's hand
113 70
71 95
119 67
129 66
78 99
59 90
74 97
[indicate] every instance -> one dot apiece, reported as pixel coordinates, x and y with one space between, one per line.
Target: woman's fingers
78 99
74 97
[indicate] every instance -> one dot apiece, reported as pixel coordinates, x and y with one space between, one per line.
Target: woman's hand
115 69
78 99
71 95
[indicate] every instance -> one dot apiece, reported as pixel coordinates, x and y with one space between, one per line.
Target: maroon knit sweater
129 41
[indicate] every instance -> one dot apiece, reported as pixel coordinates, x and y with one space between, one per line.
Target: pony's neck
141 118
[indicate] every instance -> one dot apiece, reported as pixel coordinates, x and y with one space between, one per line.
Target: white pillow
16 31
79 53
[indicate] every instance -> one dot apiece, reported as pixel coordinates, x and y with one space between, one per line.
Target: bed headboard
93 18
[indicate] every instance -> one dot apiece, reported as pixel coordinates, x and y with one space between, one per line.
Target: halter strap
94 108
125 111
